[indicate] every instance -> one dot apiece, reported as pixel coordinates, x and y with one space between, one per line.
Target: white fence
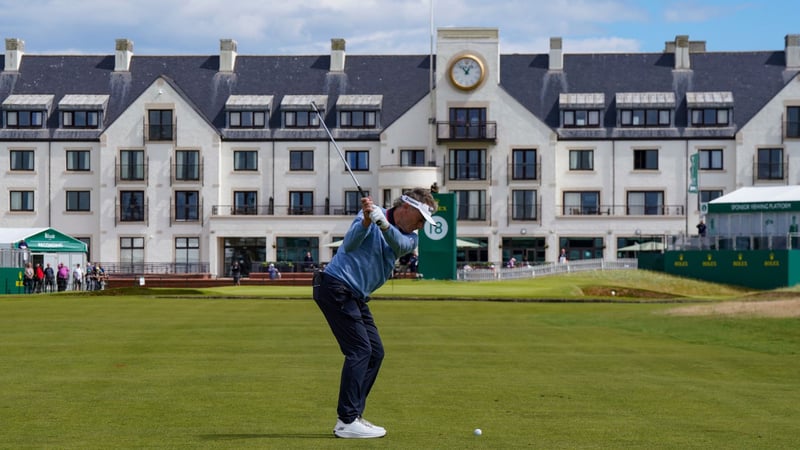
517 273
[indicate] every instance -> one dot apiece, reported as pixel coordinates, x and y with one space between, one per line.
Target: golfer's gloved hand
378 218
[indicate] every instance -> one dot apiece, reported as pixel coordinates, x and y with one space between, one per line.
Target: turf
175 371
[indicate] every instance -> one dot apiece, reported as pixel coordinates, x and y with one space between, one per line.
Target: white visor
424 209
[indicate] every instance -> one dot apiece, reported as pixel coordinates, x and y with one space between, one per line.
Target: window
645 159
244 202
300 119
187 206
711 159
22 160
468 164
187 165
646 203
245 160
187 254
793 122
131 206
21 200
581 203
412 158
301 160
78 201
80 119
352 201
710 117
524 164
160 124
357 159
471 205
523 205
358 119
577 118
247 119
131 254
301 202
24 119
645 117
131 165
708 195
770 164
467 123
581 160
78 160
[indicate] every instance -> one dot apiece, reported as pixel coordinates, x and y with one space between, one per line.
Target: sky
370 27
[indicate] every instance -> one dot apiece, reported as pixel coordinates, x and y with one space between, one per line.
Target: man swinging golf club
363 263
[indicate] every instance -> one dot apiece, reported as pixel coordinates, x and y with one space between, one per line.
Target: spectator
236 273
29 278
77 278
274 273
49 279
413 262
39 278
563 258
701 228
62 277
308 261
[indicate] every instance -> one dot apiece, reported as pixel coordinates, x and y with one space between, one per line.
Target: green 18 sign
437 243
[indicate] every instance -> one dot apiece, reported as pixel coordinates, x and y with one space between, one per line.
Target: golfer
363 263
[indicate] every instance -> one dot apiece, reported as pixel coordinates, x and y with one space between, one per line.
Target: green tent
41 240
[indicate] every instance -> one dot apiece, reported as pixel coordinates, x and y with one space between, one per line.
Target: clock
466 72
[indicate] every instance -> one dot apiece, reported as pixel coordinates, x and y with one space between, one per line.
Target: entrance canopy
41 240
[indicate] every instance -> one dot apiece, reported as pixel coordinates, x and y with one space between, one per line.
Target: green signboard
437 243
760 269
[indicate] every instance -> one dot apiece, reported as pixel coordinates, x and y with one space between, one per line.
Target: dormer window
298 112
581 110
359 111
248 111
645 109
82 111
710 109
26 111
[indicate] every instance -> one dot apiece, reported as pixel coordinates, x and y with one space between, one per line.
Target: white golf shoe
358 429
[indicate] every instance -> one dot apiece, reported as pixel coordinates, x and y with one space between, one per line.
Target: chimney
123 55
793 51
227 55
682 52
15 48
556 55
337 55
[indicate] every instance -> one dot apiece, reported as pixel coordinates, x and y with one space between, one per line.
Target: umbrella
460 243
649 246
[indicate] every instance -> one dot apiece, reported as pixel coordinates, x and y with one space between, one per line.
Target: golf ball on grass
477 432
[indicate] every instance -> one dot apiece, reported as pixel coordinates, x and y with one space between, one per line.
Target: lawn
227 368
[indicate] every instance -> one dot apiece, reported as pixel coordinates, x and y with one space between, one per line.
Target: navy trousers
354 328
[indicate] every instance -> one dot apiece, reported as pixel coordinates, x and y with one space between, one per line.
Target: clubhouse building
182 163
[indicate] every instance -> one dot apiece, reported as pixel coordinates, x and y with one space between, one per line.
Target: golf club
347 166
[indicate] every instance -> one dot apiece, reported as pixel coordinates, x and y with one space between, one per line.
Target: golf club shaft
338 150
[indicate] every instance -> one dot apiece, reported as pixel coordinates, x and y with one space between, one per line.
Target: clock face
467 72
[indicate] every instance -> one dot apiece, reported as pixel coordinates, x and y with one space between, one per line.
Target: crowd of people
38 280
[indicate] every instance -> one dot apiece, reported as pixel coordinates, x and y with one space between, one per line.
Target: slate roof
753 78
402 81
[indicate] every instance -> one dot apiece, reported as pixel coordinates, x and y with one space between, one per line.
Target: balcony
621 210
476 132
282 210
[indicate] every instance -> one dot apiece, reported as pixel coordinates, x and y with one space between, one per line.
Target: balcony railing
468 171
186 213
184 173
282 210
621 210
132 173
454 131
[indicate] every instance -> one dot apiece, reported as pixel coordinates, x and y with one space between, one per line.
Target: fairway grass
199 372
